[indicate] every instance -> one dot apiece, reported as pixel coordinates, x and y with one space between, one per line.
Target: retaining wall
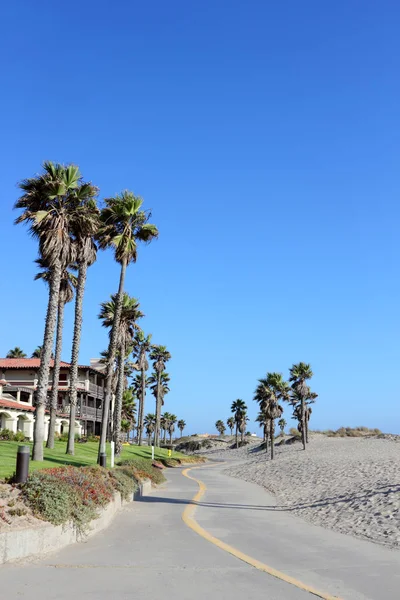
44 538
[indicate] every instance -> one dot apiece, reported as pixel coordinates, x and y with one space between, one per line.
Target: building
18 382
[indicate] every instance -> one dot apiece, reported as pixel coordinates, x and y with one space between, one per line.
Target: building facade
18 382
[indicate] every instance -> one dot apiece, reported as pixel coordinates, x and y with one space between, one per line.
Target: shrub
294 432
190 446
142 468
19 436
123 482
6 434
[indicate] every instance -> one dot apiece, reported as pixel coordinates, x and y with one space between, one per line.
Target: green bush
190 446
6 434
294 432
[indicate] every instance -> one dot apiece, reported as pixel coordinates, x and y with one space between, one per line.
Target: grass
85 454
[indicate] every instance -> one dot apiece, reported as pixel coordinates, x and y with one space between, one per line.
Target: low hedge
75 493
142 468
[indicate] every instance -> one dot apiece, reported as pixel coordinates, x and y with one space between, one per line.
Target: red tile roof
25 363
17 405
34 363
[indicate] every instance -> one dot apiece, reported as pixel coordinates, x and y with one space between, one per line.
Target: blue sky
265 138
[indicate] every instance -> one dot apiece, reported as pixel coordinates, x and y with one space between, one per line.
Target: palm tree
142 346
269 392
301 394
231 424
220 427
150 424
130 313
239 409
282 424
264 423
66 294
128 412
160 356
124 224
171 426
243 426
49 203
37 353
85 226
16 353
181 426
164 425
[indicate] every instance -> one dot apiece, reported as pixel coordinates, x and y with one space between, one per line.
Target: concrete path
149 553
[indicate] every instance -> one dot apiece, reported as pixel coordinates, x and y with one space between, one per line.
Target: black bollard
103 459
22 469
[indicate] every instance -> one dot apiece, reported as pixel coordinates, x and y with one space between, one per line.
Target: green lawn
85 454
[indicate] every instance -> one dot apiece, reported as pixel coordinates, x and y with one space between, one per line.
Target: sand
351 485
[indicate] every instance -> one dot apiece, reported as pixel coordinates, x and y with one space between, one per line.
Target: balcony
96 391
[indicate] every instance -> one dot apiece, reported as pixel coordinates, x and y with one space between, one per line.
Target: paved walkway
149 553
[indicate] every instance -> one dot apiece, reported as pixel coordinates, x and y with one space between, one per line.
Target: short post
22 468
152 453
112 444
103 459
169 452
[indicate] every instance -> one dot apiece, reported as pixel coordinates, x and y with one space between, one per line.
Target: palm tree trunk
43 377
272 435
306 424
76 342
158 411
56 375
303 426
242 436
149 439
141 408
266 437
118 400
112 349
237 440
165 435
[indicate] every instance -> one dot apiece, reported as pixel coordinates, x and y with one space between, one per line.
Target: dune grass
85 454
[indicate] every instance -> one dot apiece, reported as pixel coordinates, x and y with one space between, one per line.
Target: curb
42 539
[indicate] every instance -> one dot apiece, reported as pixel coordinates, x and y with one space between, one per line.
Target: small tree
282 424
181 426
231 424
220 427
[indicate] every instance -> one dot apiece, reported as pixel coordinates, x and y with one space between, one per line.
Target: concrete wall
45 538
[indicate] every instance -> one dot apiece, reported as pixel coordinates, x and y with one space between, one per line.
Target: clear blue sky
265 137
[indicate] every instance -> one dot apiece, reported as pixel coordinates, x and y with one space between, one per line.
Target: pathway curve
150 553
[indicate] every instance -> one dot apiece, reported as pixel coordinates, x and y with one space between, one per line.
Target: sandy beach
351 485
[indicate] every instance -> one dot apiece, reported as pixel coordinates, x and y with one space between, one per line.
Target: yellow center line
187 517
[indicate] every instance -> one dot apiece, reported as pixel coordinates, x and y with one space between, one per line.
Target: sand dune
351 485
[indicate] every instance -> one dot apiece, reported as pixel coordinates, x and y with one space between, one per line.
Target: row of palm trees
17 352
63 216
167 424
271 391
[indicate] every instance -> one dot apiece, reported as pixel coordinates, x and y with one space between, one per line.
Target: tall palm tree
181 425
231 424
37 353
85 226
16 353
301 394
239 410
160 356
220 427
130 313
150 424
264 423
124 224
66 294
171 426
48 204
142 346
